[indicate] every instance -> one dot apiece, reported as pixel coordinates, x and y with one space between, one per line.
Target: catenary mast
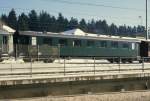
147 36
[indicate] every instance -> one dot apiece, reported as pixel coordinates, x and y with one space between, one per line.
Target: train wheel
49 60
130 60
117 60
111 60
123 60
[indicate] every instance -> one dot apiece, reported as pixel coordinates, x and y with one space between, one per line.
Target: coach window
125 45
77 43
114 44
47 41
63 42
103 44
90 43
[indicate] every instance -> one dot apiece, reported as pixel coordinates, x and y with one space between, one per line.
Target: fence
38 51
4 48
65 67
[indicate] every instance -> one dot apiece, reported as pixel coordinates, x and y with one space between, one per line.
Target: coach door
148 49
144 49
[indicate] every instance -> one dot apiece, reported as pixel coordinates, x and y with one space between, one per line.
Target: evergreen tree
98 25
140 29
83 25
121 30
60 22
105 28
23 22
12 19
66 23
134 30
4 18
113 29
91 26
45 21
73 23
129 31
124 30
34 21
53 22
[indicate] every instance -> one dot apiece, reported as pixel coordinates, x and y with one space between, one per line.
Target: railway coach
77 44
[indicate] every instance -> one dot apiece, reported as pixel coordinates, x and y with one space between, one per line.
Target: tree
113 29
60 23
66 23
45 21
12 19
98 25
140 29
23 22
105 27
134 30
53 22
91 26
83 25
4 18
73 23
34 21
129 30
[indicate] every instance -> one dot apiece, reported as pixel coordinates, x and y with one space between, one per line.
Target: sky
120 12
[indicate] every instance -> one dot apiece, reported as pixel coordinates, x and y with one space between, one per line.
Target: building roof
6 30
74 32
79 34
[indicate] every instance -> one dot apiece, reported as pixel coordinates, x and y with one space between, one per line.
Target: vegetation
47 22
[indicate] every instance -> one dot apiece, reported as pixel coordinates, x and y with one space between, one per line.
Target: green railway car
76 43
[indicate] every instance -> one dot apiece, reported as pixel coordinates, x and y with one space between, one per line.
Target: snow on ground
80 61
127 96
12 60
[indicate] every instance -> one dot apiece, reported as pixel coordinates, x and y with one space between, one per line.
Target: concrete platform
73 70
34 79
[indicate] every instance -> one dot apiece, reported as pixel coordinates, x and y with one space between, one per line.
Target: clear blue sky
97 11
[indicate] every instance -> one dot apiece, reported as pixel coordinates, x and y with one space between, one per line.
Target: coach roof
79 34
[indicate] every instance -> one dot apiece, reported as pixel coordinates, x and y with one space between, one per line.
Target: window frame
90 43
114 44
103 44
125 45
48 41
63 40
77 43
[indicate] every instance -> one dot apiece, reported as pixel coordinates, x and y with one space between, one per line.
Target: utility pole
147 36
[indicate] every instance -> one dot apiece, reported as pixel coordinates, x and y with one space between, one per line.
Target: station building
6 39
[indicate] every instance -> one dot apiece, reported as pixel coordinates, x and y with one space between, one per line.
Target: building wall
1 43
8 47
10 44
